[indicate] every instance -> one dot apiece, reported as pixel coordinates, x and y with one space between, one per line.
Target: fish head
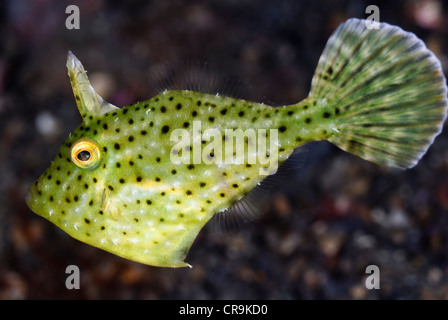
87 196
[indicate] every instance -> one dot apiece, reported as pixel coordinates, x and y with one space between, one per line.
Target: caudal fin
387 91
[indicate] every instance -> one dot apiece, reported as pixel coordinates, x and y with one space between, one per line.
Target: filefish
131 180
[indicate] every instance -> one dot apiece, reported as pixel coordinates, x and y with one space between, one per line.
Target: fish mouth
30 198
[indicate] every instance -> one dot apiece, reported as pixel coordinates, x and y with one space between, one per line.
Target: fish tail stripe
389 91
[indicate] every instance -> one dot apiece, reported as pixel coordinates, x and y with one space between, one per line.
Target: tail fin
387 90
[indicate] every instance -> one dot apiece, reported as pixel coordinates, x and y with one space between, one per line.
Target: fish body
141 181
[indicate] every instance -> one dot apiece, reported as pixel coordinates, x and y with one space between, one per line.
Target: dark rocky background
327 222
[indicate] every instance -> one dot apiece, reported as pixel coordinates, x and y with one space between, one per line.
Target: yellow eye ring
85 153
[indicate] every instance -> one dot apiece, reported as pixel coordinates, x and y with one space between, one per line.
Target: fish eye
85 153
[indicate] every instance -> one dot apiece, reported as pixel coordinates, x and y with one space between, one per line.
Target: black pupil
83 155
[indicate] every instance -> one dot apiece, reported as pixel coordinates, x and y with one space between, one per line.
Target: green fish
141 181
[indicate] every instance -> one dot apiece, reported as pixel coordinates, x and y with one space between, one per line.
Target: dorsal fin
88 101
195 76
